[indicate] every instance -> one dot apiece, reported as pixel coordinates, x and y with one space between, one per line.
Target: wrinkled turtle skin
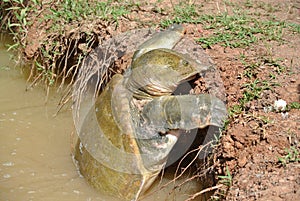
120 132
155 73
167 69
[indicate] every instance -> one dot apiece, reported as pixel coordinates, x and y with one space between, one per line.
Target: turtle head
159 72
164 39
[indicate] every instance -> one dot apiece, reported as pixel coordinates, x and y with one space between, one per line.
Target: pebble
280 105
242 160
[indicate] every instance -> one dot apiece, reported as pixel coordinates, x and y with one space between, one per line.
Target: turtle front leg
184 112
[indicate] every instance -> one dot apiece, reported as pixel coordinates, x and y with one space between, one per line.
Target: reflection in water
35 160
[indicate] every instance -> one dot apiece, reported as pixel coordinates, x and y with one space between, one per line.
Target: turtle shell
108 152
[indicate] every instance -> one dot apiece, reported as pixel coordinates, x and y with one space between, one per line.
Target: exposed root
195 175
192 197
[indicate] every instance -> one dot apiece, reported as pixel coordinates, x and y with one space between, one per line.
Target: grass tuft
292 155
226 179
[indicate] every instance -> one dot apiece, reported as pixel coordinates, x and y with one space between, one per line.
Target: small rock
280 105
242 160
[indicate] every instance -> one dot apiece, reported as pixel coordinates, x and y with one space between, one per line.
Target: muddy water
35 160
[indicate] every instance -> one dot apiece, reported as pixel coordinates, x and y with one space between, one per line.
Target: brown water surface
35 159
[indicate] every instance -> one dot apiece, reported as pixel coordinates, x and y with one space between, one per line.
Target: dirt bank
254 44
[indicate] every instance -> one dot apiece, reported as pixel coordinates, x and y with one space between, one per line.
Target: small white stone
280 105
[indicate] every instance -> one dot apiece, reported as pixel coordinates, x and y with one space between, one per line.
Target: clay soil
257 136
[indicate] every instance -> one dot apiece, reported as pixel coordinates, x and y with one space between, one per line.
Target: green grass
183 13
251 91
70 11
292 155
239 30
293 105
232 30
254 86
61 14
17 24
59 18
226 179
294 27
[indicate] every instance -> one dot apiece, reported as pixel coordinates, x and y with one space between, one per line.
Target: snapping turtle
136 114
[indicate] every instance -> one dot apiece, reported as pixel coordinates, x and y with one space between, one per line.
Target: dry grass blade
192 197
